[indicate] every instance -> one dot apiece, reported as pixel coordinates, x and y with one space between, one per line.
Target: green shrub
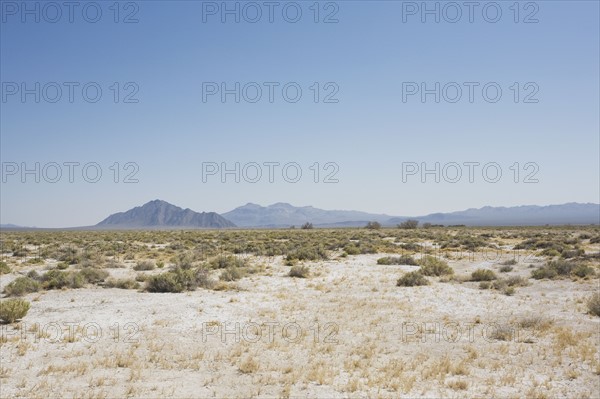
412 279
304 253
299 271
4 269
94 276
431 266
144 266
231 274
56 279
593 304
166 282
22 286
224 262
62 266
517 281
483 275
177 280
34 275
125 284
560 268
543 272
583 270
397 260
12 310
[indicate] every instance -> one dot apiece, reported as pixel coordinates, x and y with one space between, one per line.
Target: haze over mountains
159 214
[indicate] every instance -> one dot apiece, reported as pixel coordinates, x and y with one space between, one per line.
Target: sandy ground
346 331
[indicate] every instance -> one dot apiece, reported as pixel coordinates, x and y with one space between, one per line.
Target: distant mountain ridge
161 214
283 214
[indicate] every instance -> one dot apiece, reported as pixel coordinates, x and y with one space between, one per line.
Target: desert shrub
4 269
397 260
124 284
431 266
506 269
510 262
373 226
484 285
165 282
144 265
593 304
231 274
178 280
22 286
351 249
483 275
409 224
572 253
12 310
299 271
583 270
56 279
307 226
34 275
509 291
203 279
62 266
543 272
224 262
557 268
412 279
93 275
517 281
303 253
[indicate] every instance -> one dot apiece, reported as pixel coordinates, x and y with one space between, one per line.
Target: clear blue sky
367 55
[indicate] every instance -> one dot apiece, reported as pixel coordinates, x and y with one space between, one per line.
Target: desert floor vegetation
387 312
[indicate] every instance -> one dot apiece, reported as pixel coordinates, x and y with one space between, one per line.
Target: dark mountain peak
158 213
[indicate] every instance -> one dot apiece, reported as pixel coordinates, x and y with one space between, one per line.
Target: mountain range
159 214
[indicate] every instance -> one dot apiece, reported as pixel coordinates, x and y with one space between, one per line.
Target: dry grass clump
593 304
299 271
144 266
125 284
4 268
397 260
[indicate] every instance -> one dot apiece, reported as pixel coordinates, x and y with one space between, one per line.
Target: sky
403 108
